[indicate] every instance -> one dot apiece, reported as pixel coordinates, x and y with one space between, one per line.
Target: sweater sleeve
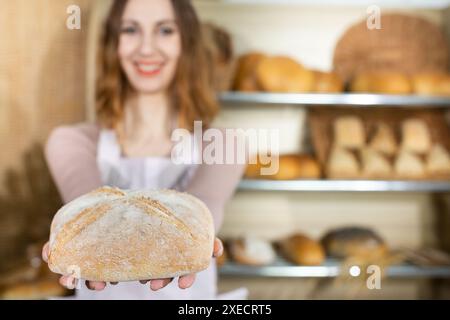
215 185
71 156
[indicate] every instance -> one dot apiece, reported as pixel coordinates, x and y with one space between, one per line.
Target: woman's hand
184 282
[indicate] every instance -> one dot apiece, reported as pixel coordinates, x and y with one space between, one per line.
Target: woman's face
149 44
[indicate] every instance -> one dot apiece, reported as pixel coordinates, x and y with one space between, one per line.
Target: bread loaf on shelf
284 75
349 132
415 136
438 161
327 82
384 140
302 250
290 166
252 251
409 165
375 165
431 84
114 235
342 164
356 242
381 82
245 77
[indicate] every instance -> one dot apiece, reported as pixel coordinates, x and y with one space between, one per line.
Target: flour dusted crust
114 235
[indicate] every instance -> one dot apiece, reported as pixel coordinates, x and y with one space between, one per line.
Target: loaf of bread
113 235
415 136
283 74
381 82
327 82
409 165
432 84
353 242
245 77
384 140
342 164
438 161
349 132
252 251
302 250
290 166
375 165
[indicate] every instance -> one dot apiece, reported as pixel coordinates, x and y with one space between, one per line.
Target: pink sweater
71 154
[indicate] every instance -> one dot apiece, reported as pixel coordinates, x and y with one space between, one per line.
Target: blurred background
364 136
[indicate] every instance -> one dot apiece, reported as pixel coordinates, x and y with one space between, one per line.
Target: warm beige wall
41 73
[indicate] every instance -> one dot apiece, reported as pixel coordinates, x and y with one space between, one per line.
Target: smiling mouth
148 69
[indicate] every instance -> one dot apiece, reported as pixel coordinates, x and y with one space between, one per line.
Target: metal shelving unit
329 269
339 100
332 268
345 186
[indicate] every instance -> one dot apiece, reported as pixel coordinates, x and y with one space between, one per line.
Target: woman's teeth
149 68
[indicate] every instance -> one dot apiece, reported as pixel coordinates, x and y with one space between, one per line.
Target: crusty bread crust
113 235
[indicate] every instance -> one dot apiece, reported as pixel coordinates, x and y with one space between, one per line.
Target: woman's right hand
70 282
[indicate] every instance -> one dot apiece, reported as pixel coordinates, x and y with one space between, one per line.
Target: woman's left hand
184 282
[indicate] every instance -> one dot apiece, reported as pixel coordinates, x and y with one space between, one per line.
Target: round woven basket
403 44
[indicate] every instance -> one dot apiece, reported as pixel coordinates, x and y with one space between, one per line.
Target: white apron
147 173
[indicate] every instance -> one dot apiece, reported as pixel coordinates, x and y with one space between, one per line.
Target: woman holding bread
153 78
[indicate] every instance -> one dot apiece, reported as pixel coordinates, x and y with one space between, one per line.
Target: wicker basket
403 44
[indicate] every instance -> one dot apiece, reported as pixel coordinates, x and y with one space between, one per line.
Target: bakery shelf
345 186
344 99
412 4
329 269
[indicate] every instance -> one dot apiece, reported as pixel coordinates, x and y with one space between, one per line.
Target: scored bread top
116 235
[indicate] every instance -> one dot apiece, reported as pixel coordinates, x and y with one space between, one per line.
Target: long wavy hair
191 92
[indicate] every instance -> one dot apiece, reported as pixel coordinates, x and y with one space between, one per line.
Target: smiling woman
149 53
153 78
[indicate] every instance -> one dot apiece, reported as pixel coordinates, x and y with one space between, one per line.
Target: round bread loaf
290 166
381 82
431 84
245 77
302 250
353 242
113 235
283 74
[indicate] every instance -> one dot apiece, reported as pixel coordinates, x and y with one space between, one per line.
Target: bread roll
113 235
342 164
349 132
290 166
431 84
353 242
327 82
252 251
381 82
302 250
384 140
245 78
375 165
415 136
409 166
438 161
283 74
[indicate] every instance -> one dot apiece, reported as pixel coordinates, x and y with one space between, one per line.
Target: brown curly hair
191 92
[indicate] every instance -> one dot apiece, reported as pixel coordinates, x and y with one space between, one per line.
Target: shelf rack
345 186
330 269
230 99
